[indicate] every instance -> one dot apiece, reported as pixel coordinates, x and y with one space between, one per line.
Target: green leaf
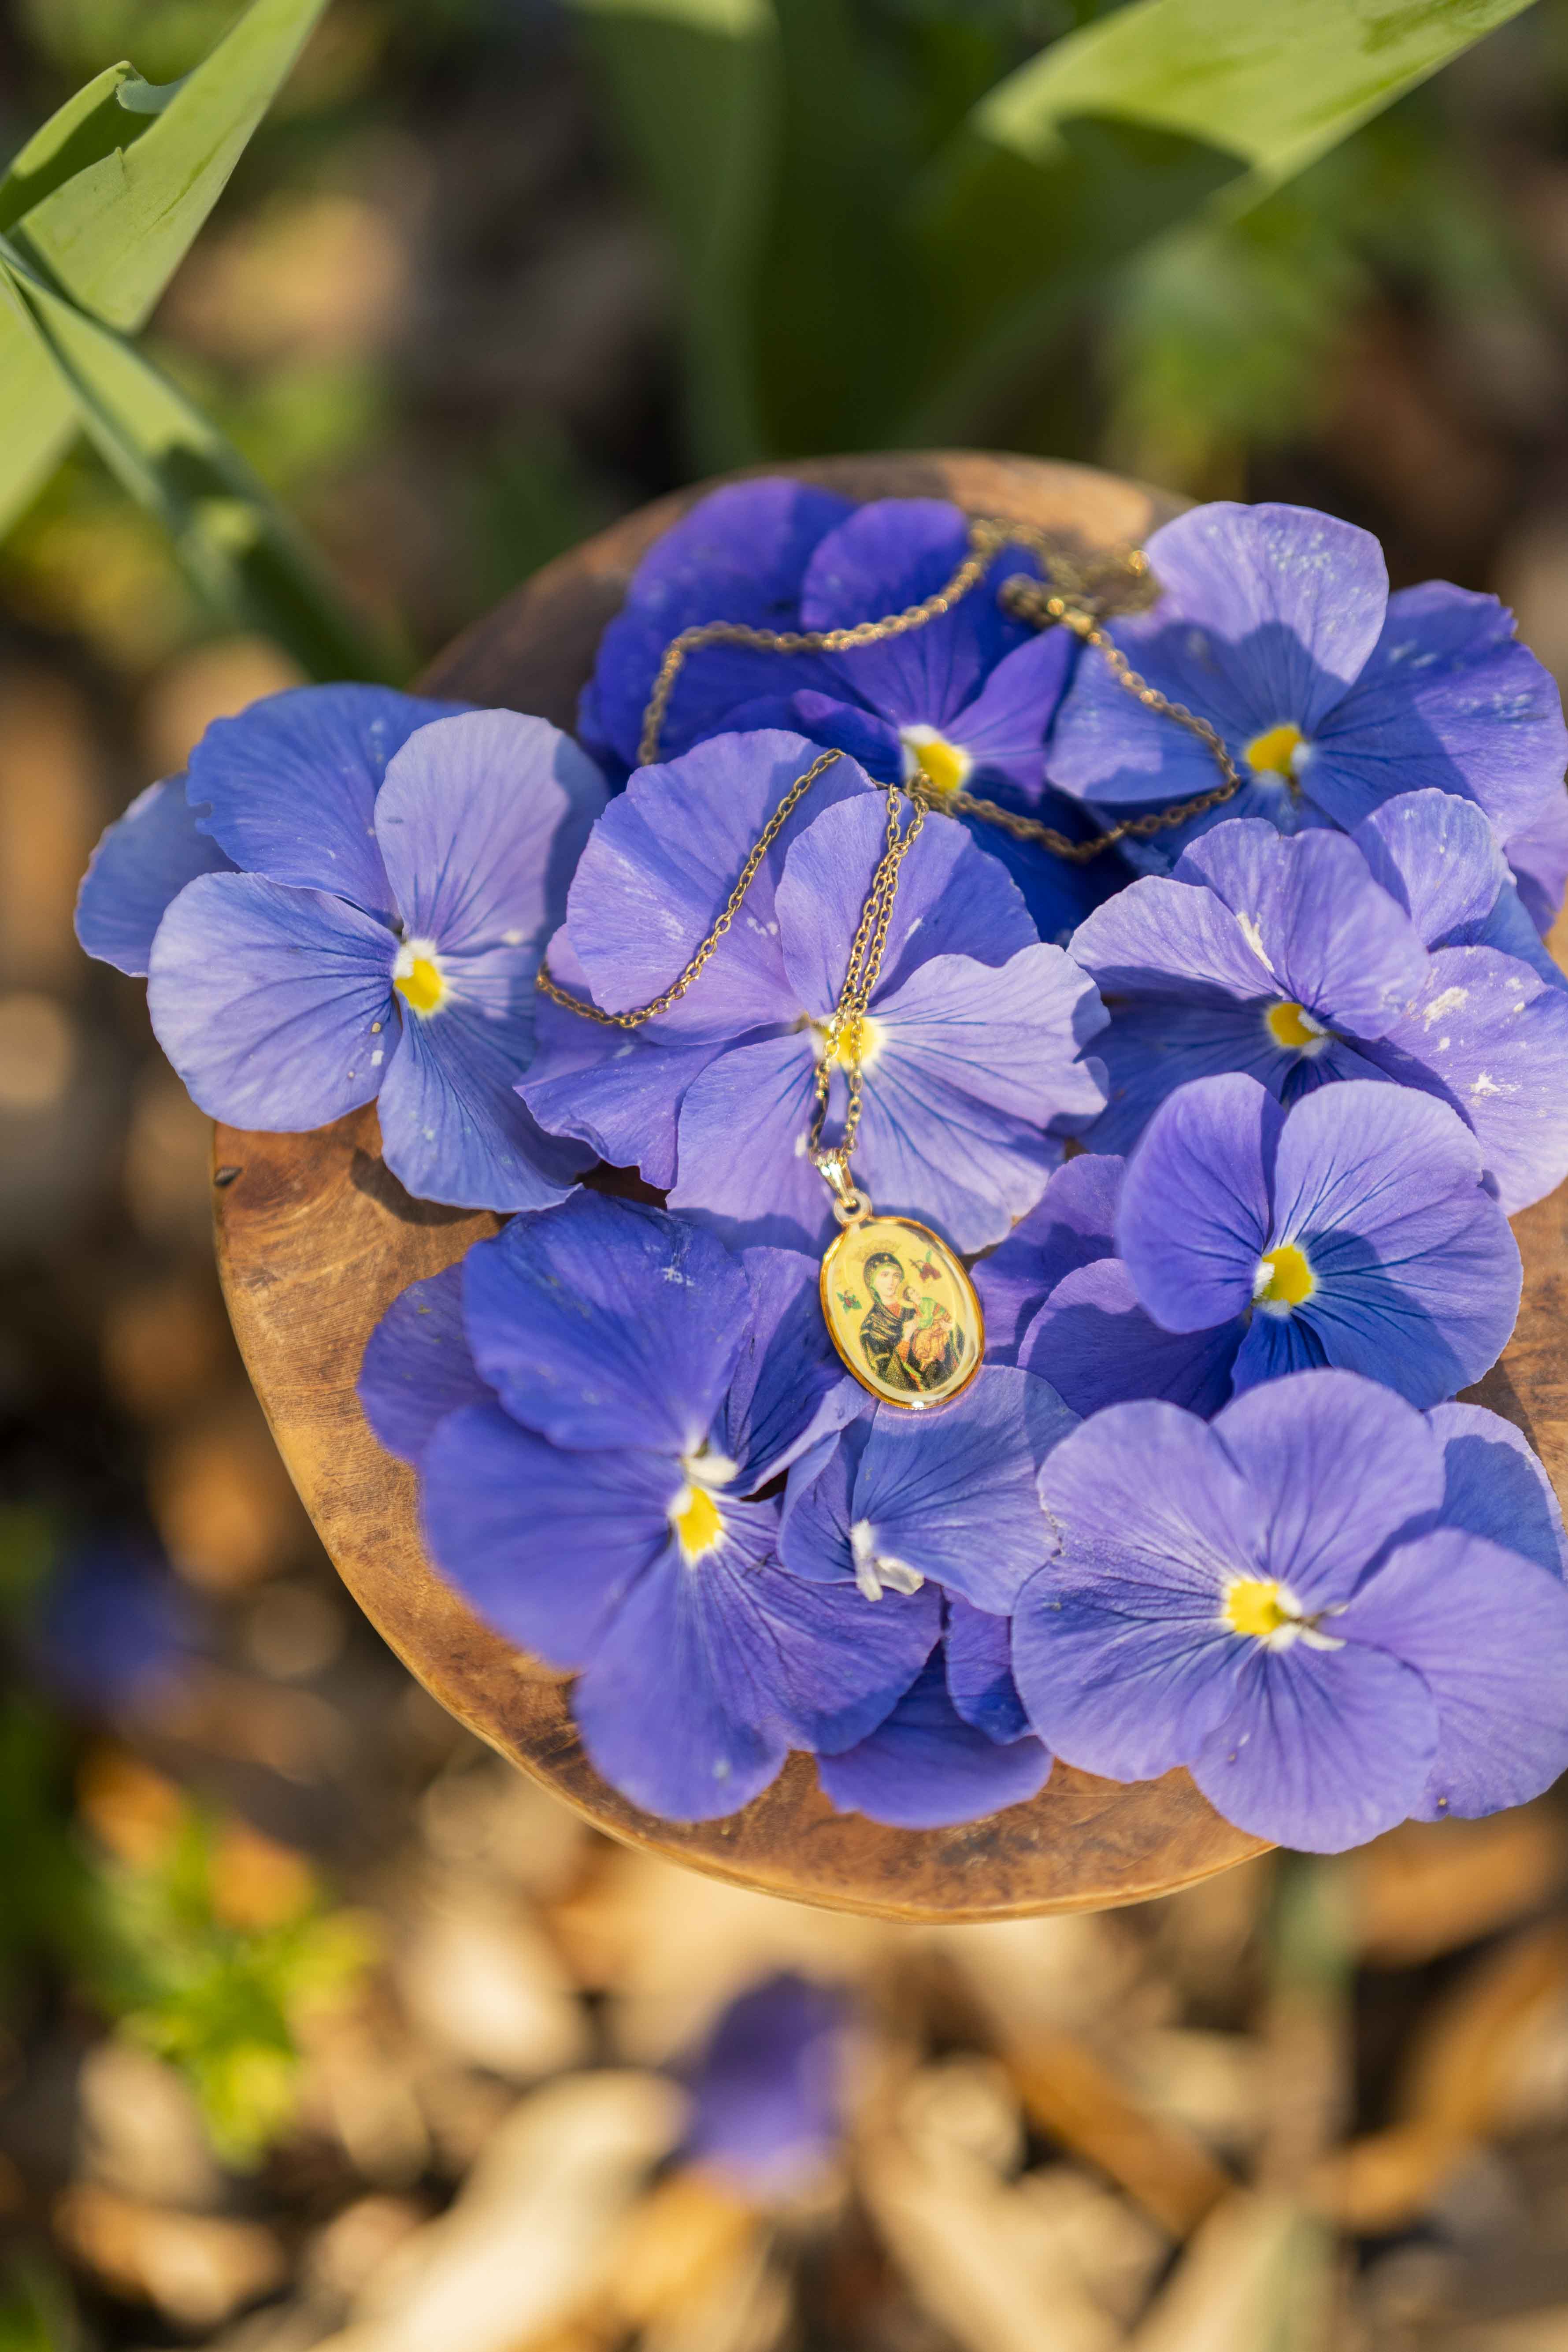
1113 134
113 237
241 551
696 86
113 193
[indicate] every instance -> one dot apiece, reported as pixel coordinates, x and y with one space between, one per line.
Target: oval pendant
901 1312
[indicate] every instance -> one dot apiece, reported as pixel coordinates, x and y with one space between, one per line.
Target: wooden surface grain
314 1238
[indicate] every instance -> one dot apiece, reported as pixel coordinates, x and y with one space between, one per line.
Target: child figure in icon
908 1342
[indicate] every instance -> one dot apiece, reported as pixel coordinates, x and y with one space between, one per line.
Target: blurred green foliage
222 2000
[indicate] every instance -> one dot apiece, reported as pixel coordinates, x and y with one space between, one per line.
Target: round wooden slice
315 1237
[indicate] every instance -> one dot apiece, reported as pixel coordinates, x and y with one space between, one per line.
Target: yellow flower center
1284 1279
1252 1606
698 1521
1270 1613
418 978
943 767
1293 1025
859 1040
1277 751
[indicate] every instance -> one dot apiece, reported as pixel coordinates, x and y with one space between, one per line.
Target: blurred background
318 2025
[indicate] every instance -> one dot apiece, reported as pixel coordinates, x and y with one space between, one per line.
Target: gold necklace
898 1302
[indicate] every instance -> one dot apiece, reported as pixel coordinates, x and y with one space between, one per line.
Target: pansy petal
1094 1343
1070 1225
481 820
289 788
453 1126
1197 1521
1450 699
1488 1632
1150 1050
786 1370
545 1544
604 1323
1415 1275
950 899
988 1055
1488 1036
1495 1487
1195 1212
1342 1464
1003 730
767 1193
924 1768
873 741
138 870
1438 857
738 555
978 1652
886 556
1320 1750
419 1366
708 1673
1329 937
954 1496
619 1091
814 1529
1117 1691
1538 854
273 1005
660 868
1173 940
1120 1654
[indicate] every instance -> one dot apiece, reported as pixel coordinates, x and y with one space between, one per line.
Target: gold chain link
1085 598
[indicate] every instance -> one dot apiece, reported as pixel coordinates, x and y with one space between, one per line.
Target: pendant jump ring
852 1207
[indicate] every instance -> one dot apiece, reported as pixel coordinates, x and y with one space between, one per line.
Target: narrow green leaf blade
113 237
1276 85
84 130
1118 133
239 548
696 88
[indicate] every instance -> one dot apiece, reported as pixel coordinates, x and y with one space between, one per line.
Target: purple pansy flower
964 700
1276 1601
389 877
1353 1231
1277 625
971 1055
890 1501
1399 954
767 2088
1059 1302
594 1403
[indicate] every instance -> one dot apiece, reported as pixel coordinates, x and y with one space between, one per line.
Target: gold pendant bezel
919 1235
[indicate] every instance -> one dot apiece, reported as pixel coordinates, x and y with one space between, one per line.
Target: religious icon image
902 1312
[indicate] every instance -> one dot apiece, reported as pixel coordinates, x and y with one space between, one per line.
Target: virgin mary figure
903 1351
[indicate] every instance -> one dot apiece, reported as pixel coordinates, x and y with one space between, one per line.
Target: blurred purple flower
114 1632
1275 1602
767 2088
1402 953
594 1402
389 877
964 700
971 1056
1277 625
